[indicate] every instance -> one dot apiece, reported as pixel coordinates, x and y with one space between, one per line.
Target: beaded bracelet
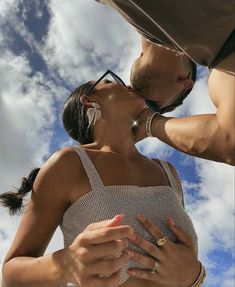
149 122
201 277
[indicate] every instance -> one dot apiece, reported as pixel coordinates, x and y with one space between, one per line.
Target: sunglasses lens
117 79
153 106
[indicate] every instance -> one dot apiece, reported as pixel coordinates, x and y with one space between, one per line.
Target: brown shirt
199 28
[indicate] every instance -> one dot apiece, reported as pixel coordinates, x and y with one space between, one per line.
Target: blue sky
50 47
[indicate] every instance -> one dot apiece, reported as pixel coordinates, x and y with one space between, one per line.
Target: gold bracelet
149 122
201 277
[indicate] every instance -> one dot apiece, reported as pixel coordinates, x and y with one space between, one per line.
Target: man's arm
210 136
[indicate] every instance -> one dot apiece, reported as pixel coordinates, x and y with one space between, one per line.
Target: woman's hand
92 254
177 262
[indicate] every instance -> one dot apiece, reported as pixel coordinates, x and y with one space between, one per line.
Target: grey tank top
104 202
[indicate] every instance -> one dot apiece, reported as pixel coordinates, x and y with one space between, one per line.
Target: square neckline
98 186
124 185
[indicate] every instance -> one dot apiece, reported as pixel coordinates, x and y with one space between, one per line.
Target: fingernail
129 254
132 237
118 217
141 217
170 220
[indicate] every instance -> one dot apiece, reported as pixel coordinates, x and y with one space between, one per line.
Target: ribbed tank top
104 202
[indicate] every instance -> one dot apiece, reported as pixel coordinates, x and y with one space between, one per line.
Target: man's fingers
179 233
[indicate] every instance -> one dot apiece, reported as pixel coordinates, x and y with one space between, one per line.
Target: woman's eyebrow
107 81
87 86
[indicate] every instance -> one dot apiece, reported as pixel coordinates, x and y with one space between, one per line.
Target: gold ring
161 241
155 268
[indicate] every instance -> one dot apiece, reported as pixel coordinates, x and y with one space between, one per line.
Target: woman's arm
30 271
25 265
80 263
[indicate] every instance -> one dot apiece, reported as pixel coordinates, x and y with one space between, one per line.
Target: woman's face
114 95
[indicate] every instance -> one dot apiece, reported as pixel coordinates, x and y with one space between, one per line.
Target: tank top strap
170 176
173 181
93 176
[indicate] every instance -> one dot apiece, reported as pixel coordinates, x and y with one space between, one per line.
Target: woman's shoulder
63 158
61 166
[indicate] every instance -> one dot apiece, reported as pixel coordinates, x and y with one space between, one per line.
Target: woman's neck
115 137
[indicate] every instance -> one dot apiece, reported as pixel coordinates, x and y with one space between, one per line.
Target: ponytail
14 200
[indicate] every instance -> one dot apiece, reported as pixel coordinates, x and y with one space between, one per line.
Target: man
176 35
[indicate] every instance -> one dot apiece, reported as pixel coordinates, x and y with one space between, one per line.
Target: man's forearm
198 135
30 271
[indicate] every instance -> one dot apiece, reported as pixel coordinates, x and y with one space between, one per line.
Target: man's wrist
148 125
153 123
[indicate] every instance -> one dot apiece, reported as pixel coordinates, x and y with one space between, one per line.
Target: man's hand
140 129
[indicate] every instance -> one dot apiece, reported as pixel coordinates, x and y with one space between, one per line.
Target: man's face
154 81
160 75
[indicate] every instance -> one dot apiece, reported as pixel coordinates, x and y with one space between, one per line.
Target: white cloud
27 115
152 147
199 100
224 279
8 6
213 211
83 38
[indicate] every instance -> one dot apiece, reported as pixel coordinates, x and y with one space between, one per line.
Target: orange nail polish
170 220
141 217
118 217
132 237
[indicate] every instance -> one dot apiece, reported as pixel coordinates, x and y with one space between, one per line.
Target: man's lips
132 90
138 93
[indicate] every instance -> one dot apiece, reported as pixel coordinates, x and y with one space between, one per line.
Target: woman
80 188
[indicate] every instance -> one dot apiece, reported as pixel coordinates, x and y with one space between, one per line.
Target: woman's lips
141 54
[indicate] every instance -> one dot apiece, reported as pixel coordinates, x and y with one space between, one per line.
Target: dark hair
74 116
14 200
75 122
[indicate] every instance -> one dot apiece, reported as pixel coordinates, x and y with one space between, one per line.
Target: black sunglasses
150 104
116 78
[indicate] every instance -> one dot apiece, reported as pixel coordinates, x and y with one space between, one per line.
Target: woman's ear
86 101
